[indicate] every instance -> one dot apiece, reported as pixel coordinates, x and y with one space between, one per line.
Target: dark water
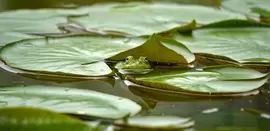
226 114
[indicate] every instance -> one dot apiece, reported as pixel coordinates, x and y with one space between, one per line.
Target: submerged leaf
172 51
212 80
66 55
35 119
156 122
68 100
137 19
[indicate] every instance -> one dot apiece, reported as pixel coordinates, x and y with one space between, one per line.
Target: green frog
134 66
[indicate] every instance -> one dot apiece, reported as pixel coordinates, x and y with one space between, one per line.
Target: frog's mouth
135 71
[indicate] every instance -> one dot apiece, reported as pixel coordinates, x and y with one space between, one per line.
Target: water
228 113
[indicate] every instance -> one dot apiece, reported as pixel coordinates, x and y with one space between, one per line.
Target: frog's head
134 65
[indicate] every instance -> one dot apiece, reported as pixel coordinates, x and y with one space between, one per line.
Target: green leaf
240 44
173 51
35 21
235 73
9 37
66 55
33 119
248 7
157 122
37 14
137 19
69 100
212 80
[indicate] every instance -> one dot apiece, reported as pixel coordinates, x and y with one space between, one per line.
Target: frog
131 65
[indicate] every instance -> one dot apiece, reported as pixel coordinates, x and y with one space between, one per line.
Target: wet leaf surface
68 100
137 22
211 80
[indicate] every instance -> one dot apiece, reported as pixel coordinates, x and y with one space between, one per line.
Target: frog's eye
128 58
145 59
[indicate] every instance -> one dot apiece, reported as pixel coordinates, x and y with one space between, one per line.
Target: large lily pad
172 51
33 119
138 19
67 54
68 100
240 44
211 80
248 7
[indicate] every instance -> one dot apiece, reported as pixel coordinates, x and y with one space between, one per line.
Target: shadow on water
210 114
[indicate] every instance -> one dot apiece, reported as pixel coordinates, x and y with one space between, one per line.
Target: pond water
209 114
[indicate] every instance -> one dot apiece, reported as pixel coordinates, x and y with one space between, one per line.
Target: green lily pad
240 44
66 55
38 14
172 51
33 119
248 7
39 21
9 37
137 19
211 80
69 100
42 26
156 122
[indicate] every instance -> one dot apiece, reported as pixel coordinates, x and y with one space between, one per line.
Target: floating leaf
42 26
211 80
68 100
35 119
163 94
139 19
9 37
241 44
248 7
36 21
66 54
156 122
173 51
38 14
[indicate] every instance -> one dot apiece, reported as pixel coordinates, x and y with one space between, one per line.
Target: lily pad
240 44
33 119
42 26
38 21
9 37
212 80
248 7
156 122
69 100
38 14
172 51
66 55
137 19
